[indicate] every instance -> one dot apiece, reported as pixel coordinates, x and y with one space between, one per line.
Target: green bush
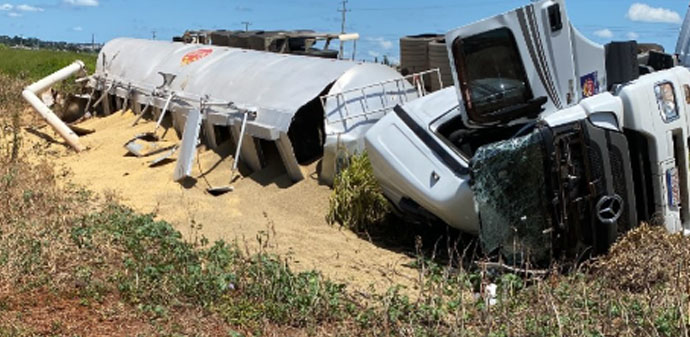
357 201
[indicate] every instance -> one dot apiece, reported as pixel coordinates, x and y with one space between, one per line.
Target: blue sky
380 23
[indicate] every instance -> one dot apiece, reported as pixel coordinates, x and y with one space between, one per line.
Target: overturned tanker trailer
295 103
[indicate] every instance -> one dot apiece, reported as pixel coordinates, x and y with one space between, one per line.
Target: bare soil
265 209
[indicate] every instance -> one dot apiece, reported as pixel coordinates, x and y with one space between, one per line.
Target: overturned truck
547 146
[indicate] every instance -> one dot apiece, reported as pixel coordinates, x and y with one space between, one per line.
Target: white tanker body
282 91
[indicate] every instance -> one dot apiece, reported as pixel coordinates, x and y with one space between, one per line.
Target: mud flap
557 192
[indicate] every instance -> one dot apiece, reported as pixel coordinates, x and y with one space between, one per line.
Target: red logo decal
195 56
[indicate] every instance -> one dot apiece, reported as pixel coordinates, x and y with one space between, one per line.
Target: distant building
89 47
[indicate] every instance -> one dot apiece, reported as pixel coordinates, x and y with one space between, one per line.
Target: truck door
504 66
503 62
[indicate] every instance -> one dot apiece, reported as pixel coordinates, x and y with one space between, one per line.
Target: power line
344 11
246 25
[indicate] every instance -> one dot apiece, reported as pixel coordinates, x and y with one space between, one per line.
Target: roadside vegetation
357 201
32 65
73 263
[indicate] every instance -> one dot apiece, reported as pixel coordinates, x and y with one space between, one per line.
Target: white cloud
13 14
82 3
373 53
645 13
77 29
6 7
604 33
633 35
29 8
382 43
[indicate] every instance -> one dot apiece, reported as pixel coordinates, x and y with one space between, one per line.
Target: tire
220 39
438 58
646 47
241 39
421 59
415 58
414 52
262 41
328 54
418 51
257 42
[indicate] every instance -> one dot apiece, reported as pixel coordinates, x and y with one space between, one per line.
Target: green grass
357 201
33 65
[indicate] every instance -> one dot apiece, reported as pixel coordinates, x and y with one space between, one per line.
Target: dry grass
10 106
646 258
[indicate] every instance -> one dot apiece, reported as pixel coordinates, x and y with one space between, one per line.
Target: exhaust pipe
31 93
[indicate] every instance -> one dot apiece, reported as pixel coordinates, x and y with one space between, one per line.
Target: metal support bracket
187 151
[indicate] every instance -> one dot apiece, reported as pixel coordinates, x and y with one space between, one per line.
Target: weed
357 201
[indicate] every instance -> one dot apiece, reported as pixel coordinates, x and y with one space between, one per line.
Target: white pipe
31 93
348 37
60 75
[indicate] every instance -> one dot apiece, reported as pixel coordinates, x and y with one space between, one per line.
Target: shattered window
509 189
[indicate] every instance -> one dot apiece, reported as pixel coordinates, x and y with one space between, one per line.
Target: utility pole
93 42
343 11
246 25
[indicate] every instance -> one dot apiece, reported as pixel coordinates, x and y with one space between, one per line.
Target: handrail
394 80
416 79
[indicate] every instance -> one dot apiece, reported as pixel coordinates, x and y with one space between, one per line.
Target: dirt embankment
263 205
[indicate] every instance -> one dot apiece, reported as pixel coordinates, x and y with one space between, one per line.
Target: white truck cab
553 147
657 108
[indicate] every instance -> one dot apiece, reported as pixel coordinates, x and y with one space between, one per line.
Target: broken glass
510 194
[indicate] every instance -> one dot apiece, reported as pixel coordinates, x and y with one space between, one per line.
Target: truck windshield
492 76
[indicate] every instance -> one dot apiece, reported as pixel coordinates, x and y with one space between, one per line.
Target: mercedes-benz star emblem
610 208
